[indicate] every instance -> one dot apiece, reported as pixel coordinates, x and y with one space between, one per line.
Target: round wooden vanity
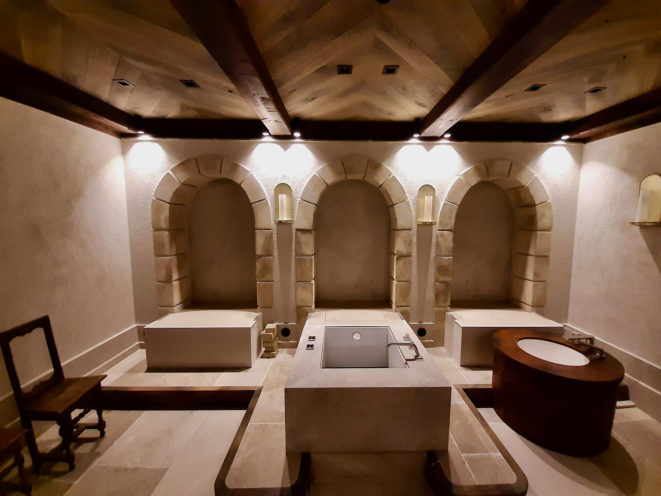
565 408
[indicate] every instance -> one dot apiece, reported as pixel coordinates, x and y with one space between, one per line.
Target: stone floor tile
117 481
248 377
490 468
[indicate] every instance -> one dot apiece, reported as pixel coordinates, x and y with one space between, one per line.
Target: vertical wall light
425 210
284 206
648 210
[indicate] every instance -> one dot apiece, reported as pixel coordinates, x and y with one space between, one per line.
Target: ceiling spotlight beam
637 112
29 86
536 28
222 29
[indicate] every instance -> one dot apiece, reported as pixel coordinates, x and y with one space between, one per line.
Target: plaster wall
64 248
616 277
293 162
353 245
483 246
222 246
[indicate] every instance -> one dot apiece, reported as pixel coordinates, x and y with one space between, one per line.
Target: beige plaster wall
616 280
222 246
293 162
481 269
352 240
64 243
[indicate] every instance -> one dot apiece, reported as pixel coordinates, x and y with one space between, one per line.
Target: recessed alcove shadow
352 239
482 249
222 247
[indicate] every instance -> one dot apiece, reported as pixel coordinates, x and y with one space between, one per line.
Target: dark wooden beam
535 29
30 86
222 29
202 128
640 111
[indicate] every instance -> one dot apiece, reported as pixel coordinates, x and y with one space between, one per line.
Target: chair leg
102 423
31 443
66 433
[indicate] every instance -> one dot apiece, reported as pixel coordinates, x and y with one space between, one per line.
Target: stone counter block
364 409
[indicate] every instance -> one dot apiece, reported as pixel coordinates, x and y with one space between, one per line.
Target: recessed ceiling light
344 69
297 134
390 69
564 137
265 133
140 132
189 83
596 89
447 135
535 87
416 135
122 82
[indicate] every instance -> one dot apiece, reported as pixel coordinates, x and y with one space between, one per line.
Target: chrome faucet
587 342
407 343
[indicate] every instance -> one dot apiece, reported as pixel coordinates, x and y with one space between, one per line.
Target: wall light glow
272 159
556 159
146 157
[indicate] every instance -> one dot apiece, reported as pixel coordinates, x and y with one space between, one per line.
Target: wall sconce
648 211
284 206
425 210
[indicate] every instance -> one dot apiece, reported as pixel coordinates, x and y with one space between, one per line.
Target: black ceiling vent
390 69
123 83
596 89
189 83
535 87
344 69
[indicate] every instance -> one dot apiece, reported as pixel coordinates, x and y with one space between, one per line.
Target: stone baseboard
642 377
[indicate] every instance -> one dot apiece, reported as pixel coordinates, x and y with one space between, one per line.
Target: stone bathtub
349 391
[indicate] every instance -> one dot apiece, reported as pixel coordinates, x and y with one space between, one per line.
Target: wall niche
352 240
222 247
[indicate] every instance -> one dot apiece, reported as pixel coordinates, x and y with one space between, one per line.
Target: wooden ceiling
153 45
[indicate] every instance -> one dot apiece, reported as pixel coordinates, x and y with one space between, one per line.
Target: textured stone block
304 242
538 218
442 292
264 242
305 294
475 174
499 168
401 216
313 189
405 313
209 165
262 213
376 173
267 314
531 267
401 267
443 269
529 292
232 170
533 242
171 268
355 166
264 269
264 294
393 191
401 242
253 188
304 215
401 293
521 174
302 316
439 325
170 242
172 191
187 173
457 191
538 191
305 268
447 216
332 172
522 197
167 215
170 294
444 243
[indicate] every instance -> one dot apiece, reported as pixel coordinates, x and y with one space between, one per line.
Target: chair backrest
5 343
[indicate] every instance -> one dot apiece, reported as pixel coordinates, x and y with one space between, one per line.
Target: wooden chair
12 441
54 398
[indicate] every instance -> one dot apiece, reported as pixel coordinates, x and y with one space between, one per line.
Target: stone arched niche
401 222
169 212
533 222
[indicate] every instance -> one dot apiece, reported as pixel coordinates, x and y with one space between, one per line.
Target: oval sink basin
553 352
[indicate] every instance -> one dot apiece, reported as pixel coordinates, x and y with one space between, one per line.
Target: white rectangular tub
203 339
